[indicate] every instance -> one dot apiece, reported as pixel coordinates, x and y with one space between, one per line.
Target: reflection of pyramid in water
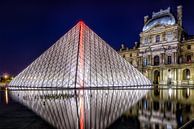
80 59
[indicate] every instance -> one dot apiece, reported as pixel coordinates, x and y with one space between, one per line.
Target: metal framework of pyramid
79 59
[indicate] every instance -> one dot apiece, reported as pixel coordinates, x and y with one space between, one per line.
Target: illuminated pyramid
78 60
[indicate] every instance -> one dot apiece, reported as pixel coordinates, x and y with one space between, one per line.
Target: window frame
158 38
169 60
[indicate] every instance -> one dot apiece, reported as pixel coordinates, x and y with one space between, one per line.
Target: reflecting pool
159 108
162 108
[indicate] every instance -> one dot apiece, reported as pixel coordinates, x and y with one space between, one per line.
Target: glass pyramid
79 80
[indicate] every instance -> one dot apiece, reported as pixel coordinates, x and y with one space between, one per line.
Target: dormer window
157 38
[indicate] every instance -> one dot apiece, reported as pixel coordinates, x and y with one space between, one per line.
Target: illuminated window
145 62
186 74
157 38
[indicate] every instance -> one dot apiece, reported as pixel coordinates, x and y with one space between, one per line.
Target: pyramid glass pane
83 74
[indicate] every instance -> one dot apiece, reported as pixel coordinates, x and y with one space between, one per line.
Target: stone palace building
165 55
165 51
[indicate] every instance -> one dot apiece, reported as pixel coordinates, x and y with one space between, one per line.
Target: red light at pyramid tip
81 22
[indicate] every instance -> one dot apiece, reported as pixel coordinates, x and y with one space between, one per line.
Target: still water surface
113 109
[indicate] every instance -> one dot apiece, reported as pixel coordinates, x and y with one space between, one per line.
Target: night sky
27 28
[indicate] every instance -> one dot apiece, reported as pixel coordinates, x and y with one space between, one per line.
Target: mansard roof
163 17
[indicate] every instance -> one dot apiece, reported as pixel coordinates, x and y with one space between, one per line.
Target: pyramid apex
81 22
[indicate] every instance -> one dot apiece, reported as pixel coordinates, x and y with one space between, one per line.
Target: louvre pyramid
77 61
80 58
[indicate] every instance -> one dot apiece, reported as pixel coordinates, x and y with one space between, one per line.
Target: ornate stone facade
165 51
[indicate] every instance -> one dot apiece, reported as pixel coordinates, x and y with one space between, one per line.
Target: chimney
135 46
179 14
145 19
122 46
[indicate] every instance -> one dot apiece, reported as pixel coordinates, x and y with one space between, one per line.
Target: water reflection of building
164 109
165 51
4 98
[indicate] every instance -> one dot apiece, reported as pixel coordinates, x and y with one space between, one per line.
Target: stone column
175 58
140 61
163 58
150 59
161 71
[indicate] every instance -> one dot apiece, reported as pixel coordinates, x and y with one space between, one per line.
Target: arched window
156 60
186 74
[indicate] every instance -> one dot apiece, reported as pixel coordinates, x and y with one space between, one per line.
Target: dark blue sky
28 28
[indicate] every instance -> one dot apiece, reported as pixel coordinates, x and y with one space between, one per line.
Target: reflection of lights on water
6 96
181 119
81 112
169 126
170 75
170 92
188 91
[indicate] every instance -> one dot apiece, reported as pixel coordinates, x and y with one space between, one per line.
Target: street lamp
5 76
